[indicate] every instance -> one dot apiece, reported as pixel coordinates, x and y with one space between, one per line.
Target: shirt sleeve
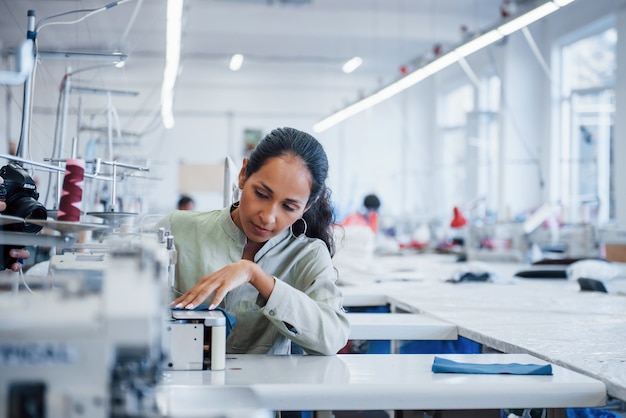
311 313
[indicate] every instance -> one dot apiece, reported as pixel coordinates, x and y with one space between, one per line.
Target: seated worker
14 253
186 203
369 217
266 260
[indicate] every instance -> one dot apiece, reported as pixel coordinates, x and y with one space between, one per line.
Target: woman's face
273 198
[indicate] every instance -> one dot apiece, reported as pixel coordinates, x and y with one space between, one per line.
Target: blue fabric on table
461 345
590 413
230 320
441 365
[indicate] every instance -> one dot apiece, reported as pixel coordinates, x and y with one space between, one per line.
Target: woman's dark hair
284 141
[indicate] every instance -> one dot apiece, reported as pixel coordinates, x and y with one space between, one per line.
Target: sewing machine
92 337
530 241
86 339
195 340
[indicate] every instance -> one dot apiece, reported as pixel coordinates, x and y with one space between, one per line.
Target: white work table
401 326
548 318
377 382
583 331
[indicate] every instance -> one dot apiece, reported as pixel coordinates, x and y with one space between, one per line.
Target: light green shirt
305 306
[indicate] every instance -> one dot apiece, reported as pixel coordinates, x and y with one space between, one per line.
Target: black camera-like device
19 192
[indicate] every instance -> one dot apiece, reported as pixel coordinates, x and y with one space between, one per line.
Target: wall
392 149
526 155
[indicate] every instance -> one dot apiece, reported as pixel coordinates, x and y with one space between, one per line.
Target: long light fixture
526 19
474 44
172 60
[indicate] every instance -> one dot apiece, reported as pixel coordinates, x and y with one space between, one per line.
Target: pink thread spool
72 195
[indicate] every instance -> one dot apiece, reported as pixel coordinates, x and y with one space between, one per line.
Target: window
587 109
469 129
483 136
455 106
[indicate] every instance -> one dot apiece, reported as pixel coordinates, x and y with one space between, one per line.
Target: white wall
525 147
392 149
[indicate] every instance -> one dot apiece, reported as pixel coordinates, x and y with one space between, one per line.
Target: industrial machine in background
94 336
86 339
538 237
91 332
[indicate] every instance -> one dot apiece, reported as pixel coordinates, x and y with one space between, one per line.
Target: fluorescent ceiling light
426 71
235 62
172 60
475 44
527 18
352 64
386 92
478 43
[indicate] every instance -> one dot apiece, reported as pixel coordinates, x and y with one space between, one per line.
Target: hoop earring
291 227
236 204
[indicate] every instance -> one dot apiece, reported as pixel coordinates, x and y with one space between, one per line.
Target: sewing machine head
88 340
195 340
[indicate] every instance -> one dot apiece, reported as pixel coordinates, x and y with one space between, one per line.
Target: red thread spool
72 195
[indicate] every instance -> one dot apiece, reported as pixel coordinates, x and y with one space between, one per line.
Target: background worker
368 216
186 203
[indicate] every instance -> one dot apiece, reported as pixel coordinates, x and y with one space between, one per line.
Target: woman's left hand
218 283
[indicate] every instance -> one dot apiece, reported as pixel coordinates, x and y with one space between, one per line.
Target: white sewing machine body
195 340
88 340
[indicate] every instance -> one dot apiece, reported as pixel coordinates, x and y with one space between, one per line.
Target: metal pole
28 86
66 94
113 189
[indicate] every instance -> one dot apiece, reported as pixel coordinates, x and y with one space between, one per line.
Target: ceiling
303 41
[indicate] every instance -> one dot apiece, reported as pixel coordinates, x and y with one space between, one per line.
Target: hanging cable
534 158
536 52
131 22
89 12
469 72
32 32
54 143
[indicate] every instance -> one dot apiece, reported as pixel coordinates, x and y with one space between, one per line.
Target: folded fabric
230 320
441 365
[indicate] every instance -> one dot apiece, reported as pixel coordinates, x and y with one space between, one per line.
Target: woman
267 259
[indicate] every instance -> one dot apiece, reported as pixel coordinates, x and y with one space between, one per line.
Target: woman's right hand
218 283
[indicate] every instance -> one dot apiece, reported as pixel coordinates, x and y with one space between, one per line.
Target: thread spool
72 194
